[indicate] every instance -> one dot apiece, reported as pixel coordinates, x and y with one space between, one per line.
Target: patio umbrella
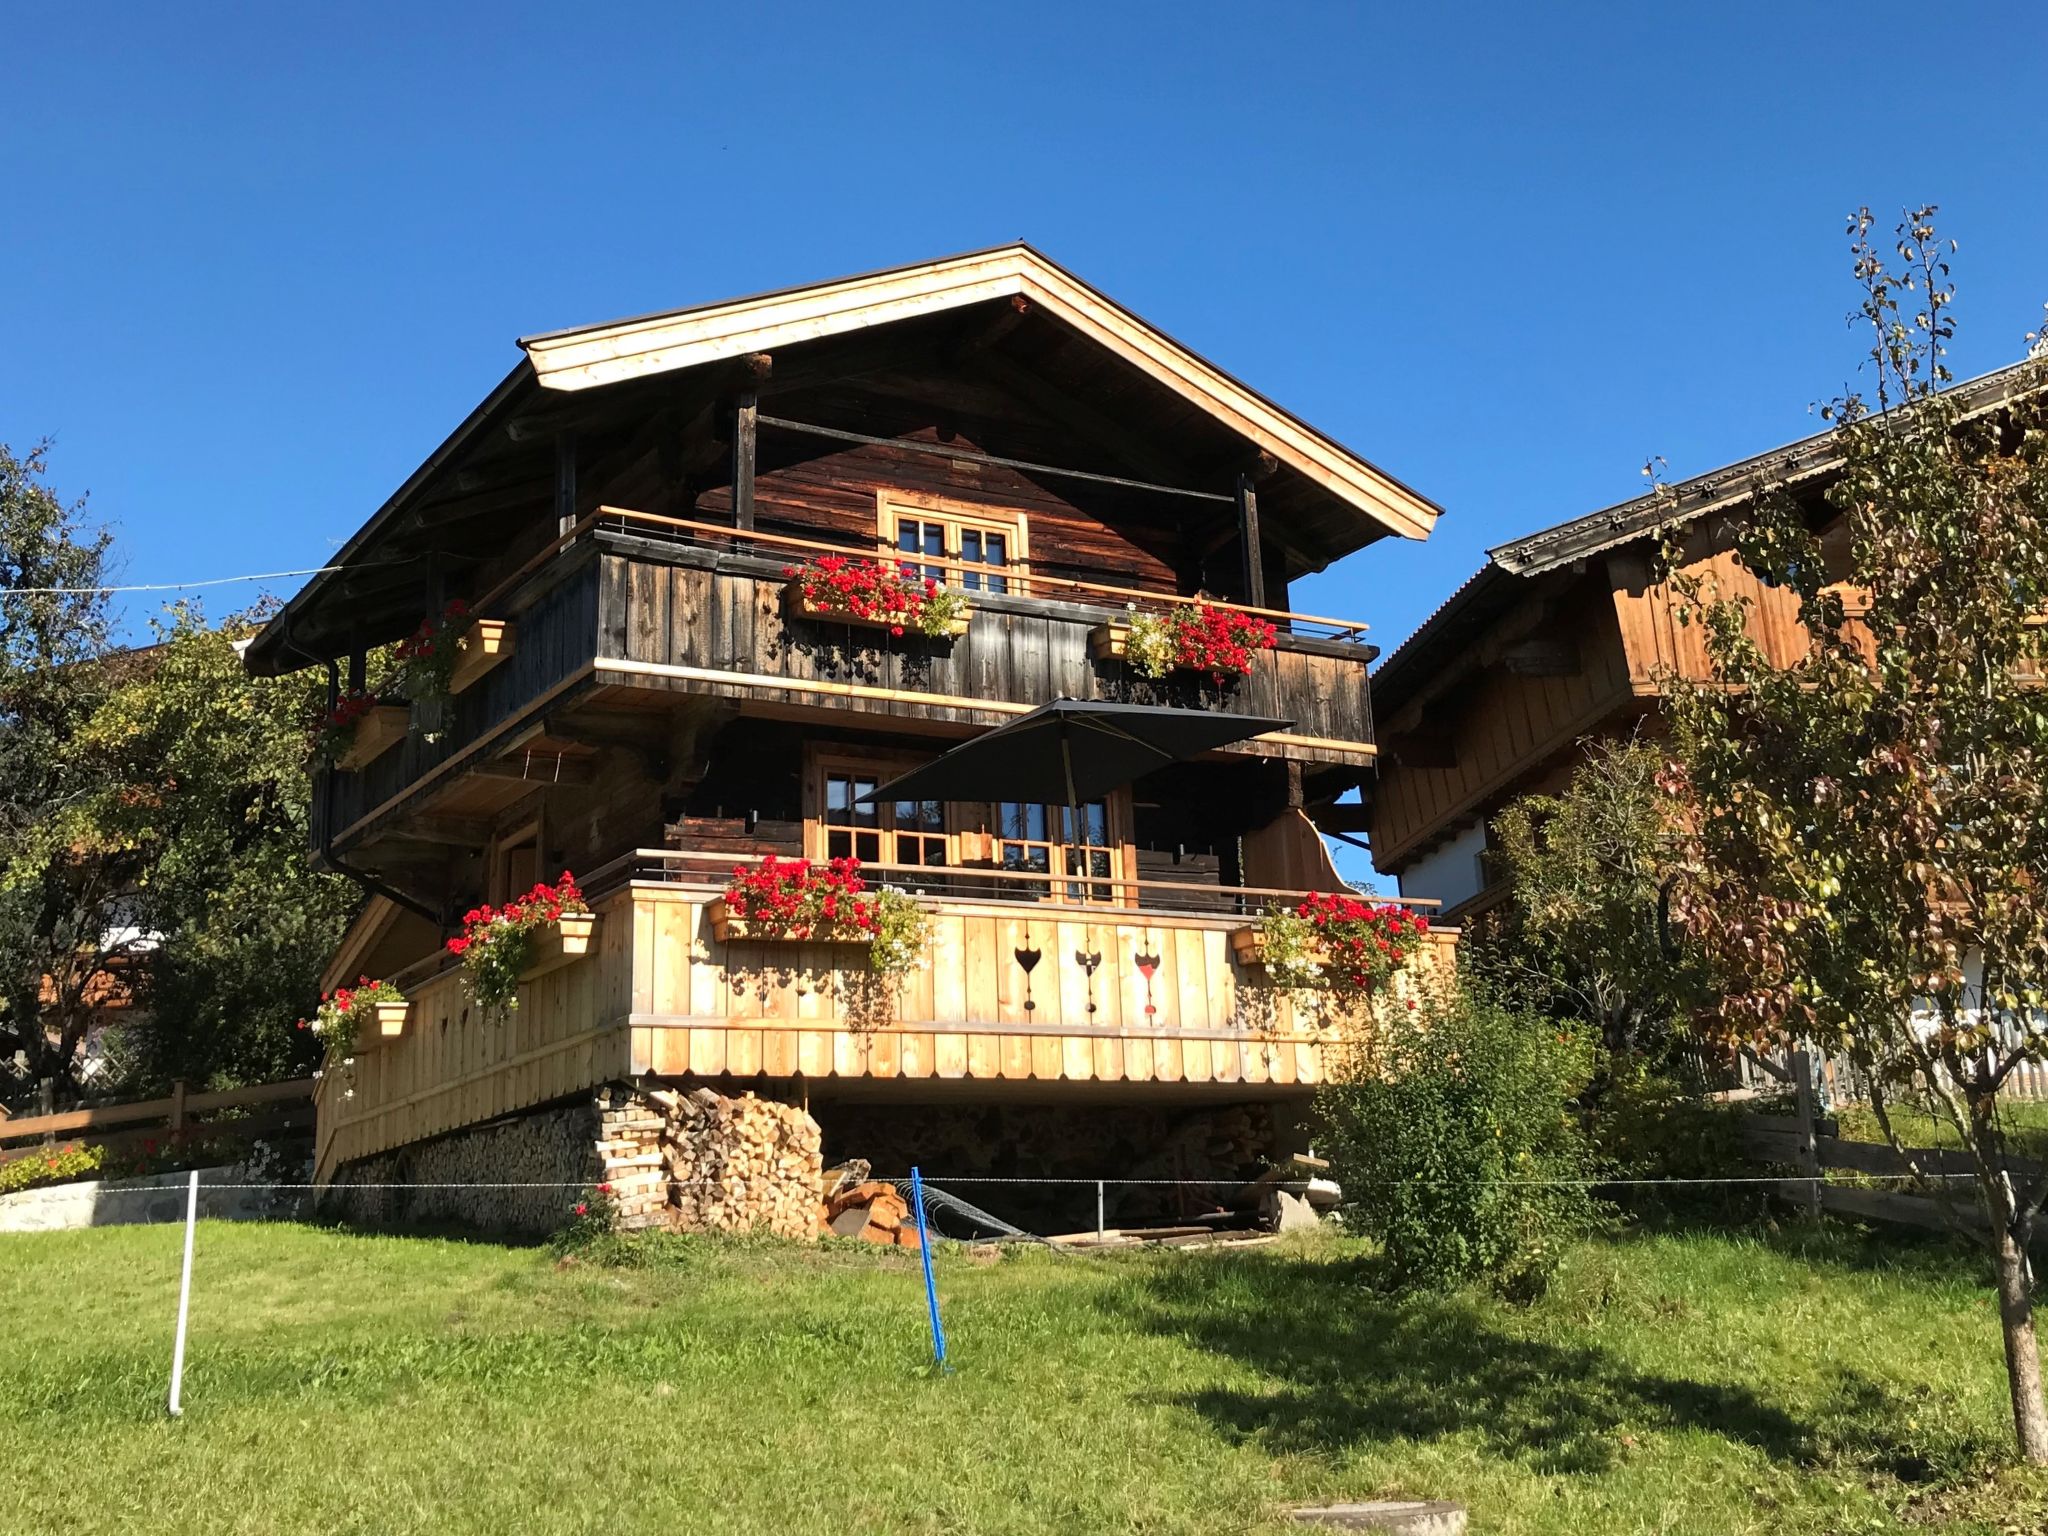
1071 751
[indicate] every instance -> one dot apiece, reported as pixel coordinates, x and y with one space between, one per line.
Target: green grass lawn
1807 1381
2026 1126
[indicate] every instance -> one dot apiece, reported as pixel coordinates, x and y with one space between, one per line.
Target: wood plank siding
1484 731
1658 646
816 487
1492 730
661 994
683 617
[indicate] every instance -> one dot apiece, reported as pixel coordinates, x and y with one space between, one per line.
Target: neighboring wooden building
628 499
1562 638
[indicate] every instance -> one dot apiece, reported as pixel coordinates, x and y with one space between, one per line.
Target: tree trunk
2022 1349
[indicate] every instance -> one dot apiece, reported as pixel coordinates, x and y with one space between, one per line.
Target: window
1041 839
886 832
974 549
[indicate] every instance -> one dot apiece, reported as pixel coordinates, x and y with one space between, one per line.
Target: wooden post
358 670
1801 1067
177 1105
745 426
1248 535
565 483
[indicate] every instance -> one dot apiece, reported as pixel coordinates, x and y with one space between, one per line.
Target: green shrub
1465 1156
58 1166
1647 1123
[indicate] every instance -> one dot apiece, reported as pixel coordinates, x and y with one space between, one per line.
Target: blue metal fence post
924 1246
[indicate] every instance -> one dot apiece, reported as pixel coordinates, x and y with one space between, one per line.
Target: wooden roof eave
606 354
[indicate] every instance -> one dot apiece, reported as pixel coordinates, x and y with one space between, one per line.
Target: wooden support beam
1248 535
746 428
1086 425
565 483
539 768
1008 318
448 830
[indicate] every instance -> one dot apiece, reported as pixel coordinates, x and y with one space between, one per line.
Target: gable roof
1500 582
592 356
1323 501
1792 465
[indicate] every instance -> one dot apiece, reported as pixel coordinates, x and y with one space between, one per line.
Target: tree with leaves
153 823
1865 836
1582 932
63 936
210 796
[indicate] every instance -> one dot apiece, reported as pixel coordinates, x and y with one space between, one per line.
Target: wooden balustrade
1112 996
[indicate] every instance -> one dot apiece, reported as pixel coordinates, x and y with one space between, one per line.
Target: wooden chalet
1563 638
649 708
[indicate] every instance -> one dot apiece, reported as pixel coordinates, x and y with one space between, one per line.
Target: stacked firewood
629 1158
739 1165
874 1212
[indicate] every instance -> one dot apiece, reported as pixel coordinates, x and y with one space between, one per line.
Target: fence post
46 1105
184 1297
1100 1235
1801 1065
177 1105
924 1249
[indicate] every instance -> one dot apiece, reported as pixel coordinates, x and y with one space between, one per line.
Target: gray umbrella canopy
1072 751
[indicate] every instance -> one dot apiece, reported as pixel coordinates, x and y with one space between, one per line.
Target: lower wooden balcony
1014 995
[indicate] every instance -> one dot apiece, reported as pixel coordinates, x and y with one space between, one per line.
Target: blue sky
1505 251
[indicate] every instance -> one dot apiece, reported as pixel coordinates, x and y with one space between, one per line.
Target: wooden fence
240 1113
1812 1144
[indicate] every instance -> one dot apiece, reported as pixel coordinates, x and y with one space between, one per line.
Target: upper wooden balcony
630 602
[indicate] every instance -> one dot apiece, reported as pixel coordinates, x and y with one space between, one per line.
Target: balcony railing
631 598
1010 992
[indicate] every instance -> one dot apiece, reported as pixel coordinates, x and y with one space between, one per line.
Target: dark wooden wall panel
731 619
807 485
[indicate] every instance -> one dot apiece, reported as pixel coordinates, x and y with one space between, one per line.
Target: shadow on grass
1346 1365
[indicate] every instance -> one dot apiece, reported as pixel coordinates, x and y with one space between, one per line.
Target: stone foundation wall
693 1160
549 1147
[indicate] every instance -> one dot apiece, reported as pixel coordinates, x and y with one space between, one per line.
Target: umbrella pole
1073 827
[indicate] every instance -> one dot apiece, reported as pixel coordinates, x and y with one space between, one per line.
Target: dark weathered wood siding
719 623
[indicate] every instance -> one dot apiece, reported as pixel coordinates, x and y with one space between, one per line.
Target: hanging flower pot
359 729
547 928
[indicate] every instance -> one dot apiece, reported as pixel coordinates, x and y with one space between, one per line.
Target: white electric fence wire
1217 1183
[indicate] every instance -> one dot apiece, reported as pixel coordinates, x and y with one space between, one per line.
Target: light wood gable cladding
1486 725
1566 634
610 354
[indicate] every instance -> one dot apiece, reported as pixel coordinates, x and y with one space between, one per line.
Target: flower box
726 928
376 732
1106 642
1249 945
483 645
560 943
391 1017
801 607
